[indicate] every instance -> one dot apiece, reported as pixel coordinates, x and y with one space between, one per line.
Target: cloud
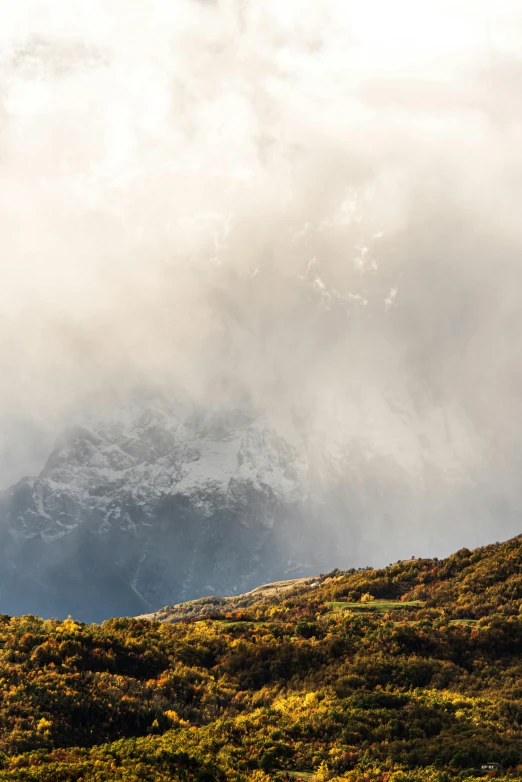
169 170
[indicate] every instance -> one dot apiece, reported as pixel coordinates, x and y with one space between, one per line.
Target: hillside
412 672
208 607
467 585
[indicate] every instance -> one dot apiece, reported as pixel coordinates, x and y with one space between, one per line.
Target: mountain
400 674
152 504
155 502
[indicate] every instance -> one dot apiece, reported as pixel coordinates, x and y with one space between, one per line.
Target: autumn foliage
412 672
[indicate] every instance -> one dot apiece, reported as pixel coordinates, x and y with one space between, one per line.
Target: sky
311 206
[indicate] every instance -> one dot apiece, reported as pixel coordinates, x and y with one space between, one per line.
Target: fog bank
310 207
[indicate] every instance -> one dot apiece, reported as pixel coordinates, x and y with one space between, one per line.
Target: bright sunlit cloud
169 171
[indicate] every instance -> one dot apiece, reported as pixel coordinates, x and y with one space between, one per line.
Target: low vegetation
412 672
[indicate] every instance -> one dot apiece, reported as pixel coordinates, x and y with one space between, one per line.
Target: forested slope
410 672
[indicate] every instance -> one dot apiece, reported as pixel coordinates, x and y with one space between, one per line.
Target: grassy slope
423 682
208 606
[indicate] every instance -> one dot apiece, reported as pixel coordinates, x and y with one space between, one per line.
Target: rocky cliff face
159 503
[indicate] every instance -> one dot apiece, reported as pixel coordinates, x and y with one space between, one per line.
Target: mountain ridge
490 577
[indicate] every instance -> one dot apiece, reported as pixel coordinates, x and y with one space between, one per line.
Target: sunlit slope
468 584
408 673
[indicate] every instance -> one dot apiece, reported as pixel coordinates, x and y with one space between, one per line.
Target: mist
310 208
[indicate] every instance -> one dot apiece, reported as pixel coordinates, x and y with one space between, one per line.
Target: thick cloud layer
313 206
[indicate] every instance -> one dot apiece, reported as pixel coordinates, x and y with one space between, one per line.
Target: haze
310 206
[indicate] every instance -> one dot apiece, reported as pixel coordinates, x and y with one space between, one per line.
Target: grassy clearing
242 622
377 606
